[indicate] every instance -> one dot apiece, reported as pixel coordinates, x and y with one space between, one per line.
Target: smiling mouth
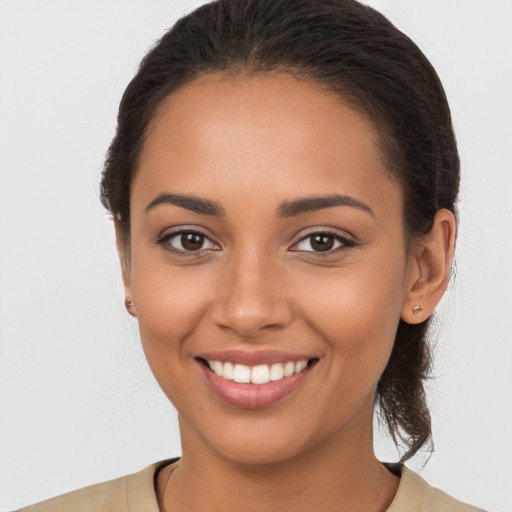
258 374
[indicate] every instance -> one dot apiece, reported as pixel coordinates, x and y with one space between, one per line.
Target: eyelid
346 241
171 233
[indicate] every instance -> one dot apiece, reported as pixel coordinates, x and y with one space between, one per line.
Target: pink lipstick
253 380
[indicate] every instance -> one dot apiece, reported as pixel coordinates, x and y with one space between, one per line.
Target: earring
128 304
417 309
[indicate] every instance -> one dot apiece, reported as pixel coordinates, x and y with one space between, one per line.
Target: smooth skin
253 279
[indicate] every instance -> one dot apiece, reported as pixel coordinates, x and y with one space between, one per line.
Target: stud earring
128 304
417 309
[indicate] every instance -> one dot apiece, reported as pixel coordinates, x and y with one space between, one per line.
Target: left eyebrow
192 203
314 203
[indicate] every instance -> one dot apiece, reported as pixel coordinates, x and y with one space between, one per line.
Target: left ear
429 269
123 251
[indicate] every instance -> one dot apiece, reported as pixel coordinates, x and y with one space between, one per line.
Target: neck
341 474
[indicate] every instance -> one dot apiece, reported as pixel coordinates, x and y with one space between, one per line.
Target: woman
283 183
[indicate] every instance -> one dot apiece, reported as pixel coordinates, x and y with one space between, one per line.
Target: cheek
170 301
357 316
357 311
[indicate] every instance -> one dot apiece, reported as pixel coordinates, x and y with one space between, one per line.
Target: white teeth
260 374
300 365
276 372
289 369
217 368
227 371
242 373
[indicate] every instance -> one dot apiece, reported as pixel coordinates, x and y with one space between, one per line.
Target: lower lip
253 396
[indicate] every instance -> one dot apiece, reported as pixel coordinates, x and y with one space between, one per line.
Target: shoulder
130 493
109 495
416 495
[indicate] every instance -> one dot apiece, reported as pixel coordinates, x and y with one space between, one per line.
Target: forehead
239 132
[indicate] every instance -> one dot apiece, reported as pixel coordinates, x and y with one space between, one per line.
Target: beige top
136 493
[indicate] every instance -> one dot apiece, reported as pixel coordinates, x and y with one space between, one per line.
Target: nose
252 296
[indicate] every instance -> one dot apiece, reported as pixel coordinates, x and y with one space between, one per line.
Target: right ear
123 250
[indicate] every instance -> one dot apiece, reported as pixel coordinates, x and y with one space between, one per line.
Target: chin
258 441
257 453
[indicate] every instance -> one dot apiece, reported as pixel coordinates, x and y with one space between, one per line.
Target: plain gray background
78 404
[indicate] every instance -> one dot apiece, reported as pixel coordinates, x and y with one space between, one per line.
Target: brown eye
192 241
323 242
183 242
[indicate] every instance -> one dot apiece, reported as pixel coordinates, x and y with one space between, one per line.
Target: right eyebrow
314 203
192 203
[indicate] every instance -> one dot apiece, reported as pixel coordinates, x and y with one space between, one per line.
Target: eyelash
346 243
178 252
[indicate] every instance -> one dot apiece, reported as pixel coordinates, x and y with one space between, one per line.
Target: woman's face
266 232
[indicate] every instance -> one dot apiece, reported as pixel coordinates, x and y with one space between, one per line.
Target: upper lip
253 358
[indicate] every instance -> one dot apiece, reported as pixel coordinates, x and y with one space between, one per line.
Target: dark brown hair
359 55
